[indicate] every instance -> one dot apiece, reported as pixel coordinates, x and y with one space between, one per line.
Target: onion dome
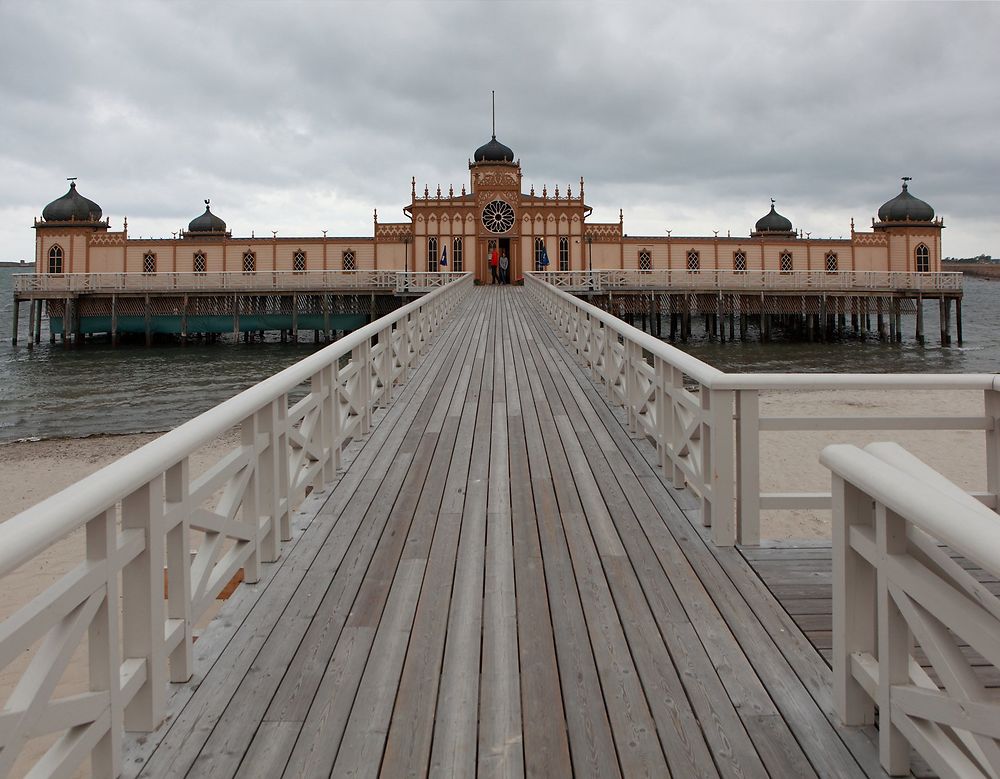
905 208
72 207
773 222
207 222
493 151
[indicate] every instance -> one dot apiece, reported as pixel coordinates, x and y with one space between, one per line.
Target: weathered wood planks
501 584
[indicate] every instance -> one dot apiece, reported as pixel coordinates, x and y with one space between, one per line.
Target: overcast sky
305 116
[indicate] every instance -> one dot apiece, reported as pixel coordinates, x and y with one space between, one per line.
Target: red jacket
494 257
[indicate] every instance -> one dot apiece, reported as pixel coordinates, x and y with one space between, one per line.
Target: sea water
51 391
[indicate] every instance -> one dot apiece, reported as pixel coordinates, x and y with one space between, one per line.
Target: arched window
693 261
299 261
348 260
831 262
249 262
55 259
456 255
432 255
740 261
199 262
539 253
923 259
564 254
149 263
785 262
645 261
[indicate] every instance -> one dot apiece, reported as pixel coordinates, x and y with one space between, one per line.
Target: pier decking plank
501 583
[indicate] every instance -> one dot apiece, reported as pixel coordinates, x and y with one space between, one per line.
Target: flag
444 256
545 257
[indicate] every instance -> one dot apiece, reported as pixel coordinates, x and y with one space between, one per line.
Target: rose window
498 217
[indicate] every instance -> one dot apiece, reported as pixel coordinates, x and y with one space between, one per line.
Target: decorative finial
413 187
772 202
207 203
905 179
493 94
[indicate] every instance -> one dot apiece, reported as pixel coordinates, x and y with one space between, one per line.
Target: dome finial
772 203
493 94
905 179
207 202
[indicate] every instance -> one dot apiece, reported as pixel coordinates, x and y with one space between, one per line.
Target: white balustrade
142 515
258 281
896 587
751 280
707 424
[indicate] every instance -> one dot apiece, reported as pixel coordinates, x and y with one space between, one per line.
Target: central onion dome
493 151
905 208
72 207
207 223
773 222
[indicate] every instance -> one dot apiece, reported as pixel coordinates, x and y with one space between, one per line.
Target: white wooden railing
707 424
751 280
896 587
413 281
149 507
258 281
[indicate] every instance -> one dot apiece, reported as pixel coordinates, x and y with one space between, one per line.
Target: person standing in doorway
504 268
494 263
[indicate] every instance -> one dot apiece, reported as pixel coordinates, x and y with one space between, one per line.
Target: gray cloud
305 116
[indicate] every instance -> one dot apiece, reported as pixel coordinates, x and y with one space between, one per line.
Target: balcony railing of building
150 506
230 281
751 280
707 424
895 587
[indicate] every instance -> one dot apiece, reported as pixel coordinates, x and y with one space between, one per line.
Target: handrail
181 281
681 279
653 381
143 509
894 586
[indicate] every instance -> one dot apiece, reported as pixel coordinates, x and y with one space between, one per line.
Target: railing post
176 483
675 388
664 417
893 644
748 467
853 603
102 643
282 453
142 606
330 423
991 403
250 508
633 356
720 469
267 482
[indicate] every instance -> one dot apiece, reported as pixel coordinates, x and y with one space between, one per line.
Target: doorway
503 246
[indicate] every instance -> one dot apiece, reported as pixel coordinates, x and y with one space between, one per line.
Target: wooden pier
502 583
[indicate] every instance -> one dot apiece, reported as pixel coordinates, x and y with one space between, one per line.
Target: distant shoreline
15 264
980 270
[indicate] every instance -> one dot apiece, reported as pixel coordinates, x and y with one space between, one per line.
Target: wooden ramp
502 584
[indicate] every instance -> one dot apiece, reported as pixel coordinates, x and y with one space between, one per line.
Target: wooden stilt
114 320
13 337
147 322
958 320
920 319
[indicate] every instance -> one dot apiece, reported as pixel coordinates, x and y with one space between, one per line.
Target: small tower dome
905 208
493 151
773 222
207 223
72 207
